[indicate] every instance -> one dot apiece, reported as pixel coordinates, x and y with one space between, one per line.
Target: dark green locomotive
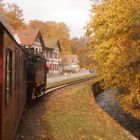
36 74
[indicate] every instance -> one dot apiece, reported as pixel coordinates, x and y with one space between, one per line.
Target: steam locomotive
36 74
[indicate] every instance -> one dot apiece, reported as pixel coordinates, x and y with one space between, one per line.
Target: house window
48 55
51 54
56 55
8 76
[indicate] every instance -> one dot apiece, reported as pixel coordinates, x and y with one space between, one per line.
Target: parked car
91 71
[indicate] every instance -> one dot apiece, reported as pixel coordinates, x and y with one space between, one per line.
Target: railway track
68 84
55 88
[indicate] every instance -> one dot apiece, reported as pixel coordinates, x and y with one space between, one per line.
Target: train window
8 76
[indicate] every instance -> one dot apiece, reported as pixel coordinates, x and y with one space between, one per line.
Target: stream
108 101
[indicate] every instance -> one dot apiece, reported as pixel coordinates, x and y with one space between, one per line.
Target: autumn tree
64 36
52 29
84 59
77 43
115 35
2 8
37 24
14 16
74 45
79 47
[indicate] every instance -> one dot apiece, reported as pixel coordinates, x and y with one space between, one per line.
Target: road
66 76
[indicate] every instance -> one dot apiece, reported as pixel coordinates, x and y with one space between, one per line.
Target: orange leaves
15 16
116 28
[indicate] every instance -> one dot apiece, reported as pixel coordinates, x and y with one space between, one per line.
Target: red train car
12 82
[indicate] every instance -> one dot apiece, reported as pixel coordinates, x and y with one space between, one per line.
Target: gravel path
108 101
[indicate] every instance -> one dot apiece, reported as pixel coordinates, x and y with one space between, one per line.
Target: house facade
53 55
50 48
71 62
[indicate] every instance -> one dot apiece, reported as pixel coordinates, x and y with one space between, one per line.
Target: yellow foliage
115 36
14 16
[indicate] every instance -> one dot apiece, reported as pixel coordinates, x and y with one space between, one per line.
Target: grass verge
72 114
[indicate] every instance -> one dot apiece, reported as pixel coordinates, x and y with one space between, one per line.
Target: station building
71 63
53 55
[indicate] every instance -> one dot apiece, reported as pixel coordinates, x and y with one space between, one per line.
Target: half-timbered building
53 55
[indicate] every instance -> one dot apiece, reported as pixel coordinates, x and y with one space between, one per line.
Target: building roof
27 37
8 29
52 43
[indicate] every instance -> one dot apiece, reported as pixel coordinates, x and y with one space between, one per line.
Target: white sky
75 13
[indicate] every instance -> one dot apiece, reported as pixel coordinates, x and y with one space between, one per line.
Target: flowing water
109 102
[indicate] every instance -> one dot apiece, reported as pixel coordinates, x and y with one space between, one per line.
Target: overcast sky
75 13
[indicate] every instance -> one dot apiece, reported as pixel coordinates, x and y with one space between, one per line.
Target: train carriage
22 76
12 82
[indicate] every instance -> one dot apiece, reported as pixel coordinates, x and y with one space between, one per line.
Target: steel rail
54 88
